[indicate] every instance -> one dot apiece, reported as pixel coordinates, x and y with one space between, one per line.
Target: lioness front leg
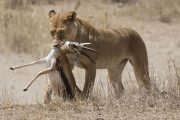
90 74
48 92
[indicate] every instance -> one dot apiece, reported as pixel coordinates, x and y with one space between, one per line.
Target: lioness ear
72 16
51 13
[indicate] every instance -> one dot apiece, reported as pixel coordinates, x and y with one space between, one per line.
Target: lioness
116 46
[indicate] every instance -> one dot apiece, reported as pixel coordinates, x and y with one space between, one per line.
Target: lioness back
115 45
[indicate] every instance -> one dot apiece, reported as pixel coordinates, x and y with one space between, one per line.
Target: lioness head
63 25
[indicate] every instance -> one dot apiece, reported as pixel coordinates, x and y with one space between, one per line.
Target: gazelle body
60 76
55 81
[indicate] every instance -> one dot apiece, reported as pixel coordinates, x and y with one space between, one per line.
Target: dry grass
21 32
24 24
25 29
138 106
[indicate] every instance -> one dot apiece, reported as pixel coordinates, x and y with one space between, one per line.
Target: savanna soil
93 110
163 45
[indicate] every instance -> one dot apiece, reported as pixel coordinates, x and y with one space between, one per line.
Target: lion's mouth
61 40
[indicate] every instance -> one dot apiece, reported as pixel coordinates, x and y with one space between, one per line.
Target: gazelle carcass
60 76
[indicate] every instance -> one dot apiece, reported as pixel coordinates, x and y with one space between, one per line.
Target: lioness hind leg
115 75
141 70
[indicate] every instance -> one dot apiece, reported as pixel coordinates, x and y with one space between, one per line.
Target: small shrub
165 18
124 1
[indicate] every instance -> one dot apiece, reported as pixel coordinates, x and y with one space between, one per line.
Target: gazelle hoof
11 68
25 89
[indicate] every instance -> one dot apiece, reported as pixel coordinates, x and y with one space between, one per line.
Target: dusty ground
163 45
93 110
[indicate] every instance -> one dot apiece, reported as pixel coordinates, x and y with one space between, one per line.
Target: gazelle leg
43 60
52 67
39 74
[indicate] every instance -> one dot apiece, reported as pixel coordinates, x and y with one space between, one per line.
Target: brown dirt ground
163 44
